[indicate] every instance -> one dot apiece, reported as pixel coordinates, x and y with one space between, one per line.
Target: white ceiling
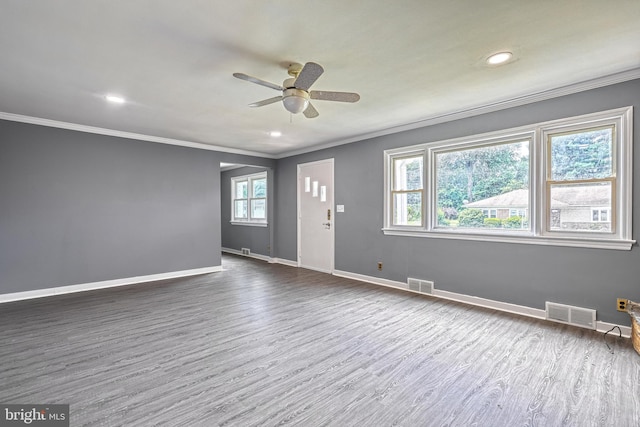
410 61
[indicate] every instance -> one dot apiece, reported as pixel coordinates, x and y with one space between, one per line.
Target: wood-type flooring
262 344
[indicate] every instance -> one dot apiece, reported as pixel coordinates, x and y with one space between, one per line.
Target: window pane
407 173
480 187
259 187
240 209
249 198
241 189
582 155
258 209
572 207
407 208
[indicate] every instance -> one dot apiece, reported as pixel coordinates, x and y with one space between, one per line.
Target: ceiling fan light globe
295 101
295 104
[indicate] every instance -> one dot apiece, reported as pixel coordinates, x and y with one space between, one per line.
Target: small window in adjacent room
249 199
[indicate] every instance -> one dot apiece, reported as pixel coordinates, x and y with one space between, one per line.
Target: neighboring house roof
574 195
512 199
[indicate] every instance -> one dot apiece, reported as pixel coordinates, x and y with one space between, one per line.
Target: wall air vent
422 286
577 316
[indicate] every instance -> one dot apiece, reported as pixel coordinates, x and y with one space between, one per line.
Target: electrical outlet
622 304
380 266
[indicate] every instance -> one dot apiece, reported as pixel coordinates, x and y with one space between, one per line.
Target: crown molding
428 121
611 79
129 135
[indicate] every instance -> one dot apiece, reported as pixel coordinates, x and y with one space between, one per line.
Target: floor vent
246 251
577 316
422 286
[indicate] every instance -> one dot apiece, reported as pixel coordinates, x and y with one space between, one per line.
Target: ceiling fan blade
310 112
308 75
258 81
266 101
334 96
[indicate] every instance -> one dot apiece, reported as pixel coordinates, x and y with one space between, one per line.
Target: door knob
327 225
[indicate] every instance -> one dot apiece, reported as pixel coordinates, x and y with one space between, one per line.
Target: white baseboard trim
370 279
60 290
285 262
606 326
493 304
268 259
251 255
472 300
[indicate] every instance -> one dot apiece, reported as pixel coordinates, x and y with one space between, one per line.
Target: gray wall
257 239
79 208
520 274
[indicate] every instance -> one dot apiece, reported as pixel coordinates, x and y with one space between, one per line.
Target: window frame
249 179
392 191
470 143
569 128
539 216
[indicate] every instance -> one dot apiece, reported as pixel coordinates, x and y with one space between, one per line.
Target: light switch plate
339 208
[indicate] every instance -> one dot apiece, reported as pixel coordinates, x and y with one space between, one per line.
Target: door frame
330 199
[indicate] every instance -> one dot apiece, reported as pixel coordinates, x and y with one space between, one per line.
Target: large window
566 182
249 199
483 186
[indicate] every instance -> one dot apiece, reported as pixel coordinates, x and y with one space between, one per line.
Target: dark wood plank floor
261 345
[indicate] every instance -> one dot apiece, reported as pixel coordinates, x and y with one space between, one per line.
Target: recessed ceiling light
499 58
275 133
115 99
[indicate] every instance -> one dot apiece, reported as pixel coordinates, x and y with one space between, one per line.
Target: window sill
250 224
615 244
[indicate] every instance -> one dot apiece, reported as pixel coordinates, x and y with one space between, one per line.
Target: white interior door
316 216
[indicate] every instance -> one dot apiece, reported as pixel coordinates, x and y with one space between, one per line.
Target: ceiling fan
295 90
